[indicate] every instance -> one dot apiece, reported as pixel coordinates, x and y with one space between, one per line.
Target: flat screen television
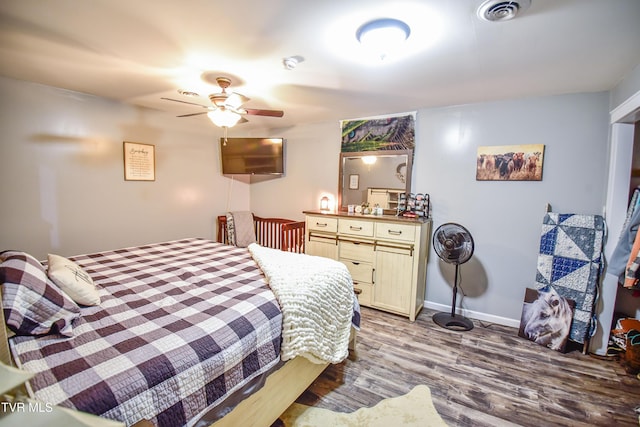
252 156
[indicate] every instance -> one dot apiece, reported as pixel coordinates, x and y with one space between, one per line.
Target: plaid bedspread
181 325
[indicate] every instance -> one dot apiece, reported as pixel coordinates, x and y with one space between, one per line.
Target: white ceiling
138 51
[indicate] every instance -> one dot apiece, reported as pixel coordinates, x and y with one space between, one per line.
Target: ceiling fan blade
242 120
193 114
235 100
185 102
269 113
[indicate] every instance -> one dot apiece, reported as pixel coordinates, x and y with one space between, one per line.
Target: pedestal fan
454 245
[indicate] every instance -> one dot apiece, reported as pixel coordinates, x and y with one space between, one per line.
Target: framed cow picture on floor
546 318
510 163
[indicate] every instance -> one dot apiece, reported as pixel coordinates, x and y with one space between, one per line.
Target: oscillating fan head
453 243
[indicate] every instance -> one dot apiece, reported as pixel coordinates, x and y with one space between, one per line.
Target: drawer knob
321 225
351 227
394 232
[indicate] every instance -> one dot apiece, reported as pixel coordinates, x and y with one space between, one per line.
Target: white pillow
73 280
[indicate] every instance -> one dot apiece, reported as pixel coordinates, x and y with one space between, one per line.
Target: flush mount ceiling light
383 36
500 10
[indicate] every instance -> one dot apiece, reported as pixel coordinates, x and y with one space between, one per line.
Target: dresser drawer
360 271
326 224
394 231
356 251
355 227
364 292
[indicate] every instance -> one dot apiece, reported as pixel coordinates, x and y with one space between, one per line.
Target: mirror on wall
376 177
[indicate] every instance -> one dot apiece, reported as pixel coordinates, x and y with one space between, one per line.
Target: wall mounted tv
252 156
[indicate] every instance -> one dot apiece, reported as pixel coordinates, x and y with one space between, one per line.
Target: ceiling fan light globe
223 118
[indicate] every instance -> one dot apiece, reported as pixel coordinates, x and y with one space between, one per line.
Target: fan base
454 322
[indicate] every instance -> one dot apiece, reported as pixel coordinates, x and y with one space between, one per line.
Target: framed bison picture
510 163
546 318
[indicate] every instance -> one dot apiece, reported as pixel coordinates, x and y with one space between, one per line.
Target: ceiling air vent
500 10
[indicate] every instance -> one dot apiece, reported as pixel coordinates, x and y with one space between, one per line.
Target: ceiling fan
227 109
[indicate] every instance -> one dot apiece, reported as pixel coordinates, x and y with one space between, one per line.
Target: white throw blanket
316 299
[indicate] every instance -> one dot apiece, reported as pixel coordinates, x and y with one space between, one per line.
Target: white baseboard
514 323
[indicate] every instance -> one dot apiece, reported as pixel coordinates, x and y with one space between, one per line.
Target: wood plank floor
484 377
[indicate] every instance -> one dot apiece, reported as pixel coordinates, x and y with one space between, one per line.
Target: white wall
63 187
504 217
628 87
312 160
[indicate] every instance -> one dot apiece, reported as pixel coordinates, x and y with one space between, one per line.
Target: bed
188 332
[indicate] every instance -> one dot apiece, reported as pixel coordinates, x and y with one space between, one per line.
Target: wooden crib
277 233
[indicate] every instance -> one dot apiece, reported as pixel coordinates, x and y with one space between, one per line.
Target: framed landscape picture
510 163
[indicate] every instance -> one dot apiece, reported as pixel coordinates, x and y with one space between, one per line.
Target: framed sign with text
139 162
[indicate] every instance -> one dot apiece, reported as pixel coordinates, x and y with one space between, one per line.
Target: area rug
412 409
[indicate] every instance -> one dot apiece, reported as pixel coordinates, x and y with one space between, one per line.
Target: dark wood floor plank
485 377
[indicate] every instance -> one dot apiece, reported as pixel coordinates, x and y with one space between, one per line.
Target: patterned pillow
231 230
33 304
240 229
72 280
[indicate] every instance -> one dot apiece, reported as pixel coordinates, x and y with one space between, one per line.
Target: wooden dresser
386 255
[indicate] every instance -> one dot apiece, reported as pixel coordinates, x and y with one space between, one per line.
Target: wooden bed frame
277 233
281 389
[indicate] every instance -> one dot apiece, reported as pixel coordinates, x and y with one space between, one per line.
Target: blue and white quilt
570 260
